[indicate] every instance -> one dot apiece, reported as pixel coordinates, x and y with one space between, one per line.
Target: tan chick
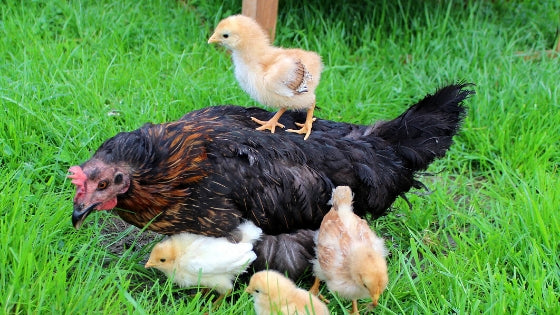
350 257
275 294
194 259
276 77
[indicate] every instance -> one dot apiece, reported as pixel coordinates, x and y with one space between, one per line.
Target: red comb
79 179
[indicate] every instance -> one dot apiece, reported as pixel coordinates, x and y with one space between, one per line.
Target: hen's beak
80 214
213 39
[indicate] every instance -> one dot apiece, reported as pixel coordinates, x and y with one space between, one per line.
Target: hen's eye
162 260
225 35
102 185
118 178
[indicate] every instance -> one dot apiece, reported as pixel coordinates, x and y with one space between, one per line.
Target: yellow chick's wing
219 256
287 76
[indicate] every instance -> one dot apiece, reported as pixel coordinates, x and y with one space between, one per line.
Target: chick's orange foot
270 124
306 126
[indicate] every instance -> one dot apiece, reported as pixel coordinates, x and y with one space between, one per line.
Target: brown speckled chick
350 256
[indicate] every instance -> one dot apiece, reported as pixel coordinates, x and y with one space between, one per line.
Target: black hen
210 170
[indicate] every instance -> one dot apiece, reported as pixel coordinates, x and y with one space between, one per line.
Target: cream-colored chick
274 293
274 76
209 261
350 256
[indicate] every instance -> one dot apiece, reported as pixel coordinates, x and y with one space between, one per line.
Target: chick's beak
80 214
214 39
149 264
375 299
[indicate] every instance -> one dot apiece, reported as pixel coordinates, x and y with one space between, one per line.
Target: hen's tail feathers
425 131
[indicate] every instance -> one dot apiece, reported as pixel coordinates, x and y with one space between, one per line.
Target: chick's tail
249 232
425 131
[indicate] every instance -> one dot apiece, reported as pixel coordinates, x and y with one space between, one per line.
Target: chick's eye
118 178
162 260
102 185
225 35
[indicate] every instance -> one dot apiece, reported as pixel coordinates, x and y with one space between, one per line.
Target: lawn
486 240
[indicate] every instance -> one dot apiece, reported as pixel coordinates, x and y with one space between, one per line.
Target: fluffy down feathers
273 293
350 257
213 262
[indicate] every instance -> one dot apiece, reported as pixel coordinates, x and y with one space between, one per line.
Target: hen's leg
306 126
271 123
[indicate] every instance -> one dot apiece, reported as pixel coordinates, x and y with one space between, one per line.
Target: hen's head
238 32
97 186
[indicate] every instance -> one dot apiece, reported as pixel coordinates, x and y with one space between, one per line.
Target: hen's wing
281 182
268 180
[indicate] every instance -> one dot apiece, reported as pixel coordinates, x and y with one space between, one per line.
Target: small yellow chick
209 261
274 76
350 256
274 294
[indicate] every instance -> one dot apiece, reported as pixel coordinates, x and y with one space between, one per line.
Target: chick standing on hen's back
350 257
274 76
275 294
210 261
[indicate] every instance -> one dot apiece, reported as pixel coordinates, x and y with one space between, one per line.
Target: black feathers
211 170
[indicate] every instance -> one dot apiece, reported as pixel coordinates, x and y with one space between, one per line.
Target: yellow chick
209 261
274 76
275 294
350 256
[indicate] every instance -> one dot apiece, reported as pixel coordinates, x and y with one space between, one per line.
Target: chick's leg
218 302
315 287
355 307
306 126
220 299
315 290
271 123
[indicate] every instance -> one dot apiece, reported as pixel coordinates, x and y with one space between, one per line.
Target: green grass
487 240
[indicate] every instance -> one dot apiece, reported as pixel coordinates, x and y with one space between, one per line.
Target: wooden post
264 12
